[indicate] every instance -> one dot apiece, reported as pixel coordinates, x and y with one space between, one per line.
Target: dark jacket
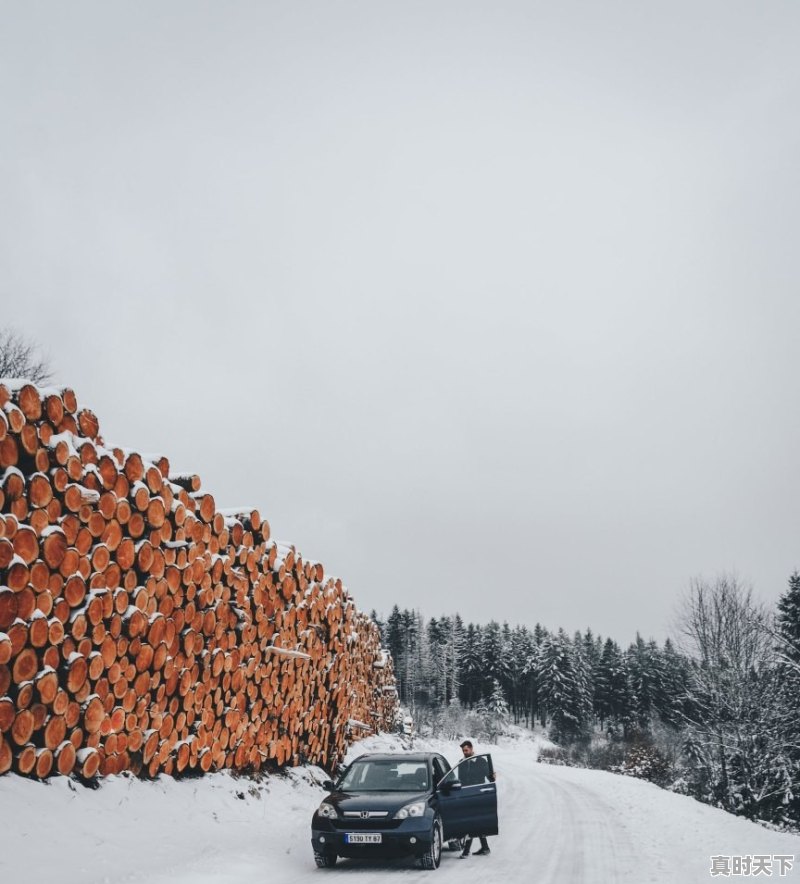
474 771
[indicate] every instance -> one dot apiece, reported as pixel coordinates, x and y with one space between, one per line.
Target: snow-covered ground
558 825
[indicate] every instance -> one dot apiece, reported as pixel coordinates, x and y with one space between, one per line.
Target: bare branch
20 358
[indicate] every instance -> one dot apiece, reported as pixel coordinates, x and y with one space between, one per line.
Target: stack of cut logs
143 630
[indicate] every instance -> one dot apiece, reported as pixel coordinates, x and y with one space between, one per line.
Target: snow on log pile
142 629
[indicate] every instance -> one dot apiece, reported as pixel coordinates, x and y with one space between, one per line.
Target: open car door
468 798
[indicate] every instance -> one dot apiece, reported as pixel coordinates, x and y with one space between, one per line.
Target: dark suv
403 804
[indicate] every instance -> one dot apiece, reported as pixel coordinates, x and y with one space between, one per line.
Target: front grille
353 824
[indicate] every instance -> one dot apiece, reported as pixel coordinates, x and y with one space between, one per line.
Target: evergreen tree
496 711
373 615
592 651
436 674
407 660
531 668
670 698
494 662
421 664
788 622
506 674
520 679
614 698
786 764
472 666
560 689
645 680
395 644
584 685
394 637
455 655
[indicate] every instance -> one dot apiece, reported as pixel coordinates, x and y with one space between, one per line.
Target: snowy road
557 826
569 833
552 830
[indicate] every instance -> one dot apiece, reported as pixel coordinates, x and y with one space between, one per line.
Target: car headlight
328 811
415 809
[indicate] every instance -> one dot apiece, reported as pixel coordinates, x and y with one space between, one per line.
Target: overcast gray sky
487 306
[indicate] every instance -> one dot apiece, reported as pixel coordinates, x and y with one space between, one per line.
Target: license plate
363 838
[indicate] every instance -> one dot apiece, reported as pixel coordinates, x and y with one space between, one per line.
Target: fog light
321 839
413 840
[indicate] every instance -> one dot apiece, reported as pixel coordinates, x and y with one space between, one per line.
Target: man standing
473 772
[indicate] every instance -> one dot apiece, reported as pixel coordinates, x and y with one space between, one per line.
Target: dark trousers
468 844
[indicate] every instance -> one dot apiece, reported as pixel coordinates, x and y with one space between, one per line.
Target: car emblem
364 814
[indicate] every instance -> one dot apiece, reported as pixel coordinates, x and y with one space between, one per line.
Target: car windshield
385 775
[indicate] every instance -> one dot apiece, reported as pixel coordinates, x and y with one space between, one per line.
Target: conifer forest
711 712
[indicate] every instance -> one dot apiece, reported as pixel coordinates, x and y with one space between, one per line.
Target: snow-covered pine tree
584 685
786 767
521 649
395 643
496 712
408 667
645 677
506 678
559 689
612 691
593 650
472 666
494 660
455 654
421 663
788 622
531 668
670 697
436 670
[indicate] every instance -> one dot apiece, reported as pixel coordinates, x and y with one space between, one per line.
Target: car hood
391 801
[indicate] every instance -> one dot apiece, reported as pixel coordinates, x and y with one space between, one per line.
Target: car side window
472 771
451 777
438 770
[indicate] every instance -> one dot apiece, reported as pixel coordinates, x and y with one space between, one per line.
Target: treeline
718 718
565 683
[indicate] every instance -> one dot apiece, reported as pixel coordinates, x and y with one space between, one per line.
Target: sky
489 307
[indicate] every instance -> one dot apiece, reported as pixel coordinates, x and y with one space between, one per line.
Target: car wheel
325 859
433 855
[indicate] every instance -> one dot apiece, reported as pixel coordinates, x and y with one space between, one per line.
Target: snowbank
558 825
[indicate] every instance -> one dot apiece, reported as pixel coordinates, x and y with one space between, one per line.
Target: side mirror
447 788
328 786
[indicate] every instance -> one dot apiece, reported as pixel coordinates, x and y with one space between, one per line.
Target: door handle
487 789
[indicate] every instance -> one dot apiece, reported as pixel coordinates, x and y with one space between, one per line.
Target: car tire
433 855
325 859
